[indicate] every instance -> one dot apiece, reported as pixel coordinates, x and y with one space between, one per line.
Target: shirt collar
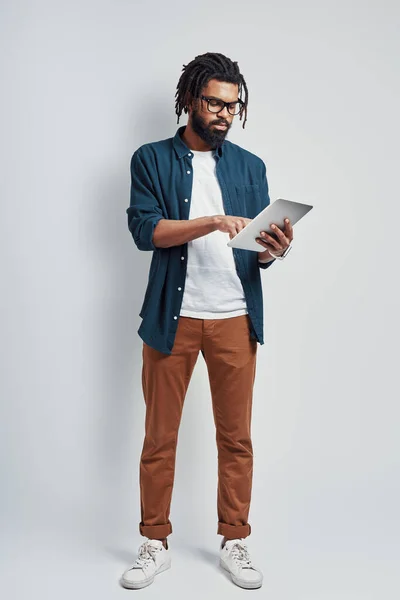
181 149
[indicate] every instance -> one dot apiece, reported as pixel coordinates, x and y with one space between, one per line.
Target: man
190 194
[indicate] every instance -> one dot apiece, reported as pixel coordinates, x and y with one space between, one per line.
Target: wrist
264 255
215 222
274 254
282 254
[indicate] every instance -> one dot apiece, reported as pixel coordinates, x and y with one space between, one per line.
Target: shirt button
175 318
189 154
188 172
179 289
186 200
182 258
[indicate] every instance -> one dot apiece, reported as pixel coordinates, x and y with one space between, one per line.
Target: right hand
231 225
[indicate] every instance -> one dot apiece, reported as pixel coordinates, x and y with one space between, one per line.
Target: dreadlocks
198 73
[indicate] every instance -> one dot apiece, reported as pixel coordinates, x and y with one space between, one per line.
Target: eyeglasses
215 105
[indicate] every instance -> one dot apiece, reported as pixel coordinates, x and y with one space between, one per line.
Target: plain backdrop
84 84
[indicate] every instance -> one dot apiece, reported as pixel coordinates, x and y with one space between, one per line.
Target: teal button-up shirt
161 187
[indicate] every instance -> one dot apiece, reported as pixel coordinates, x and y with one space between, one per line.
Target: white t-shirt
213 289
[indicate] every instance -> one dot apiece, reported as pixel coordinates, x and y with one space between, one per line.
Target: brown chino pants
230 356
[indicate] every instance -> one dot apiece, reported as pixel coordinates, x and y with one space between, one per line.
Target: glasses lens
215 105
234 108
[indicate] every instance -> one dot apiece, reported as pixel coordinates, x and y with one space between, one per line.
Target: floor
47 563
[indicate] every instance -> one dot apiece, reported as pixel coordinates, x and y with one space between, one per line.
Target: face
204 122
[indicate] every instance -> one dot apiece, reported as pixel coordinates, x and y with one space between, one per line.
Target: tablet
275 212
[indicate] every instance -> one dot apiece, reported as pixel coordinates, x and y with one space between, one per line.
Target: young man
190 194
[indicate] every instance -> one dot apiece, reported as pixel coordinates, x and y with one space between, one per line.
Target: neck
193 141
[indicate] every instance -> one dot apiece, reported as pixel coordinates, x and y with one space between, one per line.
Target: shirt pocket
248 200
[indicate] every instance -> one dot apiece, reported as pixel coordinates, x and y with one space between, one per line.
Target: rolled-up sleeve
265 201
144 211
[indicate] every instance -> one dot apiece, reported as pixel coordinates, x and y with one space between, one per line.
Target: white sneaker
153 558
235 558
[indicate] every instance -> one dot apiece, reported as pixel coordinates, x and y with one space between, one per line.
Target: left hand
284 238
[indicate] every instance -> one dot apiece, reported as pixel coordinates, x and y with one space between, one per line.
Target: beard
212 137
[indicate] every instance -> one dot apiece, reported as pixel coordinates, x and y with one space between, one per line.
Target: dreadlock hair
198 73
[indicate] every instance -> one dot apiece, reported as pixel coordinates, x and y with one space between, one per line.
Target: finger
270 240
262 243
233 231
288 229
265 245
268 246
282 239
281 236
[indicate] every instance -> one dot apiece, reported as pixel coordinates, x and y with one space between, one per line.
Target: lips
221 126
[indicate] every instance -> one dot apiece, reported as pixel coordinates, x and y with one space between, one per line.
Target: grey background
84 84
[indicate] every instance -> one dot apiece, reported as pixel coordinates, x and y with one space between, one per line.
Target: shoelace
147 554
241 554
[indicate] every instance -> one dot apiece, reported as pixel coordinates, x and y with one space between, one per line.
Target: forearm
169 232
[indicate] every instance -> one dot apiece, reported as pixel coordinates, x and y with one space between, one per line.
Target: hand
231 225
279 245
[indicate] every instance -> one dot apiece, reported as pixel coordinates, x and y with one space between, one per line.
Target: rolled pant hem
232 532
155 532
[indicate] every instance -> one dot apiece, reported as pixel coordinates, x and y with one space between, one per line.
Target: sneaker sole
248 585
137 585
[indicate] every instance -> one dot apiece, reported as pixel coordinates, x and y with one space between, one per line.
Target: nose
224 114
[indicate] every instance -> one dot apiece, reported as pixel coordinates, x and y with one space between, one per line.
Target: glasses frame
208 98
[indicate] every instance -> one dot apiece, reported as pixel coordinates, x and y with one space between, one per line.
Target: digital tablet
275 212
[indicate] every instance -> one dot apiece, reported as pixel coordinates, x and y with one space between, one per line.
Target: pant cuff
155 532
232 532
